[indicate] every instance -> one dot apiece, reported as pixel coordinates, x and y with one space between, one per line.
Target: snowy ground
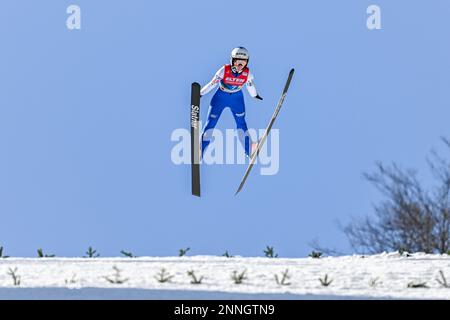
383 276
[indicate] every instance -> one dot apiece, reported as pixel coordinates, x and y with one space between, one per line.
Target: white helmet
239 53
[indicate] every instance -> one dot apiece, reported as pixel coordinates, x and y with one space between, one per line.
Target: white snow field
382 276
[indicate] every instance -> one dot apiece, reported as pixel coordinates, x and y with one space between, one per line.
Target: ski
195 142
266 132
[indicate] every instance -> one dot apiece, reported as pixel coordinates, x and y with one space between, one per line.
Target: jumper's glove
258 97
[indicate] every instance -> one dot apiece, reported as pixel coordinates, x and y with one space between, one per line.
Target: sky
86 118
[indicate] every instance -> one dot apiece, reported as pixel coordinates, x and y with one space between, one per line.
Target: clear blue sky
86 118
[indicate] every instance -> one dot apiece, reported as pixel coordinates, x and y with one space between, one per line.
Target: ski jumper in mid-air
231 78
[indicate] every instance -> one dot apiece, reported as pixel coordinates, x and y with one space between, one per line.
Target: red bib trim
230 79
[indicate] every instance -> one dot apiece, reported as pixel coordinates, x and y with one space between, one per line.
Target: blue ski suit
229 95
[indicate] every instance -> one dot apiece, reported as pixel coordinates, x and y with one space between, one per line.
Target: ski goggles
237 62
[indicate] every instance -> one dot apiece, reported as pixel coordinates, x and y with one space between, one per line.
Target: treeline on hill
410 218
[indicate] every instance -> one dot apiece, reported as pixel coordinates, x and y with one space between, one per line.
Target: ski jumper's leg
215 110
238 110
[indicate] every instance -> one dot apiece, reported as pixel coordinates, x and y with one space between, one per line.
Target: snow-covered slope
383 276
